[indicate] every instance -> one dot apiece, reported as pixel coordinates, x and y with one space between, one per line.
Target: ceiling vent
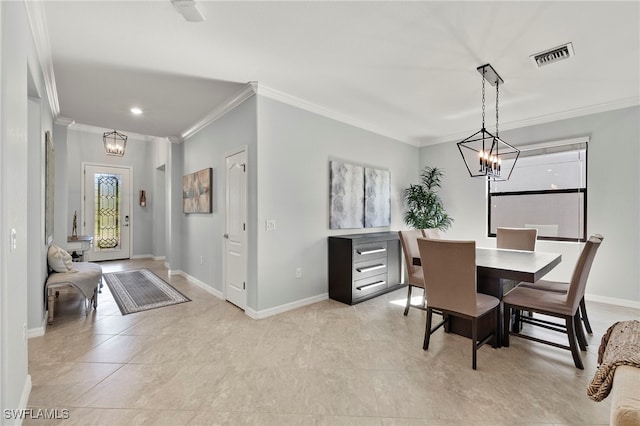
553 55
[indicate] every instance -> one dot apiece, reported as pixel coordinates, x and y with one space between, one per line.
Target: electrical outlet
298 272
201 260
270 225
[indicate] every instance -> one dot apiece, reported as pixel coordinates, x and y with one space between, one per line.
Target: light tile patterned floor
206 363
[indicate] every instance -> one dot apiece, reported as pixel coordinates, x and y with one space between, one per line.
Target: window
547 191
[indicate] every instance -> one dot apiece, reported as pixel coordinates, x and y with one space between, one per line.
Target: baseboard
39 331
286 307
24 399
202 285
159 257
166 265
142 256
172 272
612 301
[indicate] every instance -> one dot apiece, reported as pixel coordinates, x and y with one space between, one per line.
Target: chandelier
114 143
484 154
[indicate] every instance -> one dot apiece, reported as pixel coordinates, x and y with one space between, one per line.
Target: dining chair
562 287
433 233
516 238
564 306
449 269
409 241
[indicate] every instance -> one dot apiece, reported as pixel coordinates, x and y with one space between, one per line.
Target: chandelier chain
497 110
483 99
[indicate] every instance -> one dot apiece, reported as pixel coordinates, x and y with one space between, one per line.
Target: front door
235 242
106 211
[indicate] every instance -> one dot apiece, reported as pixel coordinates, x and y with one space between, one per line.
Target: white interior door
235 242
106 212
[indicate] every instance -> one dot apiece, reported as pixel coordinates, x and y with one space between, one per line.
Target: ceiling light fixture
189 10
492 157
136 111
114 143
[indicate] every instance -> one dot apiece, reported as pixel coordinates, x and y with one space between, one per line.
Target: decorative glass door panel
106 215
107 211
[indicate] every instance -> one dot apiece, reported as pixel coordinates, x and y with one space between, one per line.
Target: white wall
294 150
202 234
83 146
613 198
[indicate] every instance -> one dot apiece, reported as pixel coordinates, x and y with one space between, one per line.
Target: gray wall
140 155
294 150
202 234
22 270
613 208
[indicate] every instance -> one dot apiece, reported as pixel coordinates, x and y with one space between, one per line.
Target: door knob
226 236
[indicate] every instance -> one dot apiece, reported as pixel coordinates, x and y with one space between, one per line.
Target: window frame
582 140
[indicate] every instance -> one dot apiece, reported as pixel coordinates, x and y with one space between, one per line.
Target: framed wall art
196 192
49 185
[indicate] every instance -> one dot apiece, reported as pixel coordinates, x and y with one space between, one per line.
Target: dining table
498 271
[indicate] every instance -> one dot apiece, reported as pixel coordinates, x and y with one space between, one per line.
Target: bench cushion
86 279
625 396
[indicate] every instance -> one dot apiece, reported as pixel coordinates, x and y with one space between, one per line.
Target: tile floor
206 363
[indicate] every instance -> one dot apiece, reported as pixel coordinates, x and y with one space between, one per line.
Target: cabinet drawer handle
372 251
377 283
371 268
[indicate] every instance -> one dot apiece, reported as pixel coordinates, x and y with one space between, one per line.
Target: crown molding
277 95
247 91
564 115
101 130
64 121
38 25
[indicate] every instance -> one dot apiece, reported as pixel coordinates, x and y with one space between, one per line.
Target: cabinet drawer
365 252
369 268
368 286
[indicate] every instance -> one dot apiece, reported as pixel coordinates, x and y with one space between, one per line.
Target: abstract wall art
346 195
196 192
377 197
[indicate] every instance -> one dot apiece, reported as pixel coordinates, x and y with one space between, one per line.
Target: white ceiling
403 69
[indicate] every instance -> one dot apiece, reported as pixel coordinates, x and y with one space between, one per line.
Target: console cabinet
362 266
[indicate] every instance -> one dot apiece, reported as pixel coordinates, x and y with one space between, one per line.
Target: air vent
553 55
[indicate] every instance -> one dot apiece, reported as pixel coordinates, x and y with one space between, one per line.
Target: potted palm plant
424 206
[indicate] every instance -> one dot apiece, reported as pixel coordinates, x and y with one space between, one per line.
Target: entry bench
619 373
85 277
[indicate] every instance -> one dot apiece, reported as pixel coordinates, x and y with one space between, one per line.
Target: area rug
141 290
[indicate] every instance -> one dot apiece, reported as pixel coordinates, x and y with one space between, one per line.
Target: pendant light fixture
114 143
484 154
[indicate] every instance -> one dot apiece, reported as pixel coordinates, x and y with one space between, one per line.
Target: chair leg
427 329
506 320
582 339
571 332
585 318
474 341
406 309
497 339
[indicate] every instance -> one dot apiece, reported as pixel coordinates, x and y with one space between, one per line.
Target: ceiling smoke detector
553 55
189 10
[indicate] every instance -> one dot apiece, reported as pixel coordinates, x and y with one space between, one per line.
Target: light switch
270 225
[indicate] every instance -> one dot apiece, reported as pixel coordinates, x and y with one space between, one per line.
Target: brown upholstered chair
564 306
561 287
516 238
409 241
449 269
433 233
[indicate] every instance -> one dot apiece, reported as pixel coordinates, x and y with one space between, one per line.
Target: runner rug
141 290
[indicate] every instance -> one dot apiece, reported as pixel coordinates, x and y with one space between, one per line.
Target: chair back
581 273
409 241
449 269
433 233
516 238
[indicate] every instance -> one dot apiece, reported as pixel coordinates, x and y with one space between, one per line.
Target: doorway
235 237
106 211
